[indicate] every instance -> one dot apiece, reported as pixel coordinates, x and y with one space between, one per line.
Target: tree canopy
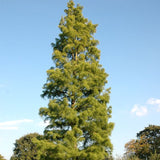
152 135
25 148
78 109
147 143
2 158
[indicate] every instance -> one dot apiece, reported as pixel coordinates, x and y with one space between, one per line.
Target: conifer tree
78 109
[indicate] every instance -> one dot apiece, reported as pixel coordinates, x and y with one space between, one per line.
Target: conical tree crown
77 111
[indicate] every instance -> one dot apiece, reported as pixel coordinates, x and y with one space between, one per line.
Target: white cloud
154 101
15 122
8 128
139 110
13 125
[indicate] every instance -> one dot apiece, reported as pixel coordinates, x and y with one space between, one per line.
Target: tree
1 157
147 143
78 110
152 136
139 148
130 148
155 156
25 149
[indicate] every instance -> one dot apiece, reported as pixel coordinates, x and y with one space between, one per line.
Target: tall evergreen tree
78 112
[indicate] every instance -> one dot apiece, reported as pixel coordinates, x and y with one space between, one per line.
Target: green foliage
132 158
154 156
1 157
146 144
152 135
45 149
78 110
25 148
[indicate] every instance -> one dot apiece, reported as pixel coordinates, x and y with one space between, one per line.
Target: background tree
78 111
147 143
25 149
130 147
139 148
152 135
154 156
2 158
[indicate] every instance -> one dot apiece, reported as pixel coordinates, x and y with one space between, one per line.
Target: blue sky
129 38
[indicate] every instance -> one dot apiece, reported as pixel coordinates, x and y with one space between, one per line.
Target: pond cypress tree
78 110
